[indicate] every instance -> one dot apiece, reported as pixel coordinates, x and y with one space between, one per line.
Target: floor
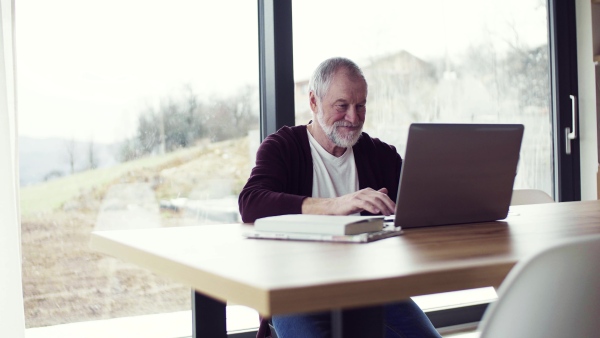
167 325
462 334
164 325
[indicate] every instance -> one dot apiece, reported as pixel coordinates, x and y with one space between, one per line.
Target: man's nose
352 116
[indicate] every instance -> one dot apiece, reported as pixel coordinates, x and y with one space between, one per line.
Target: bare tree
92 160
179 122
70 147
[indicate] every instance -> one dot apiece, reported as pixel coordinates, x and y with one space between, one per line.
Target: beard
332 132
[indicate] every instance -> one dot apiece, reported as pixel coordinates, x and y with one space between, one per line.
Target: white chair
530 196
555 293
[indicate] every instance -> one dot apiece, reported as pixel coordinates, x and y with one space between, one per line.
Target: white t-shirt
332 176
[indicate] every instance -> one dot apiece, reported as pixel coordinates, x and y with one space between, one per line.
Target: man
330 167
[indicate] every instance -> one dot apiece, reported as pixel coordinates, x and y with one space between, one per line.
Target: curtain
12 318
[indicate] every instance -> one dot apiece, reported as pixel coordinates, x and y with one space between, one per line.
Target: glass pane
132 114
438 61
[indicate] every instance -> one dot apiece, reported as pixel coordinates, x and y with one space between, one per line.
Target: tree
148 133
92 160
179 122
529 76
232 116
70 148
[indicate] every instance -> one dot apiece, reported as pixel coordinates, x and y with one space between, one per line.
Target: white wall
11 292
12 319
587 100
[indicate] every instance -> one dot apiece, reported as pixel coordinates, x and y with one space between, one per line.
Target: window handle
571 133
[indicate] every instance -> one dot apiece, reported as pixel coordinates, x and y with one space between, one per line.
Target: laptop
457 173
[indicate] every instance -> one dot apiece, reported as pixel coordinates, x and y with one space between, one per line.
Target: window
102 87
463 61
128 111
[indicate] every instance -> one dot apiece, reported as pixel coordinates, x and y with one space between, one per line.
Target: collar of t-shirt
332 176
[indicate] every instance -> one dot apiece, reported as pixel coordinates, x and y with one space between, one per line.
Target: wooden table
279 277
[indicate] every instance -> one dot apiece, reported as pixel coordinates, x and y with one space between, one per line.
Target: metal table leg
357 323
208 317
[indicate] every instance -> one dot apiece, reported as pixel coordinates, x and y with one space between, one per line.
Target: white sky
86 68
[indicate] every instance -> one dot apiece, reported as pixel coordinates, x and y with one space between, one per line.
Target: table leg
357 323
208 317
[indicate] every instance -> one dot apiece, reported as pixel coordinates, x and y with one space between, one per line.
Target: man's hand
373 201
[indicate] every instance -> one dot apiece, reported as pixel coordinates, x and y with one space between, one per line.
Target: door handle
571 132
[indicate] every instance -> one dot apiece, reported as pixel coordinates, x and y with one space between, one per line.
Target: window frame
277 100
562 42
276 65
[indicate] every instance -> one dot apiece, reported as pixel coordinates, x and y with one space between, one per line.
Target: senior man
330 166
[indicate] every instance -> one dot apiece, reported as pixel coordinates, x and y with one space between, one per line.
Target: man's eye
342 106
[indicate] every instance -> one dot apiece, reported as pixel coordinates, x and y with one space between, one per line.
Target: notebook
320 224
457 173
388 231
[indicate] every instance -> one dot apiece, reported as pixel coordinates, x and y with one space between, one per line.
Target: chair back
530 196
555 293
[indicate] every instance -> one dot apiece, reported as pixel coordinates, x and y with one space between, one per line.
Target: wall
587 46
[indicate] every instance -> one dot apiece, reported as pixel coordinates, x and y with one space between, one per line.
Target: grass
51 195
64 281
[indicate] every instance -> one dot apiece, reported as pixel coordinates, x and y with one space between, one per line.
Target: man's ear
313 101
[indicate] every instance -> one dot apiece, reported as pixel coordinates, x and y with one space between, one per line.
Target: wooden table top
276 277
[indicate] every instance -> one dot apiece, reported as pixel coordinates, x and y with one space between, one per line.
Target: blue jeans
401 320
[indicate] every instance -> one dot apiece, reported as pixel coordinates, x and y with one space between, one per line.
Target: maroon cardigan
283 176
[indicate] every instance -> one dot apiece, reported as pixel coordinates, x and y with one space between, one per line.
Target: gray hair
321 79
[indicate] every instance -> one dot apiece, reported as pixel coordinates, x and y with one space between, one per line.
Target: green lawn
48 196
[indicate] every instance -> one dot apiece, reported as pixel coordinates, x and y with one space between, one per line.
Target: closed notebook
358 238
320 224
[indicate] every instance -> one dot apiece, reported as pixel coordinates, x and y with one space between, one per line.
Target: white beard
344 141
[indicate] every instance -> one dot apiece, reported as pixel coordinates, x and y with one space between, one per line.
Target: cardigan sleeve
378 165
281 178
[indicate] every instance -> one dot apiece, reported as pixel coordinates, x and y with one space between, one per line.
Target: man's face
341 112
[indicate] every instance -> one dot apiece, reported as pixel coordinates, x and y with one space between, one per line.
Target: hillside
64 281
40 159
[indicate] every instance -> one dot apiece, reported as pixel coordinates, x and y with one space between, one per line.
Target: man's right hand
374 201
